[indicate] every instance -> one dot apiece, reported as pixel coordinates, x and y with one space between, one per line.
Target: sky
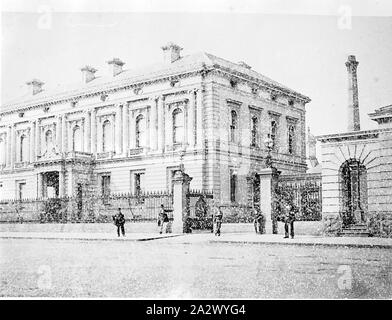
306 52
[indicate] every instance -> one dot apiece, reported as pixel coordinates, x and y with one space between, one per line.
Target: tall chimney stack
353 105
171 52
116 65
88 73
36 85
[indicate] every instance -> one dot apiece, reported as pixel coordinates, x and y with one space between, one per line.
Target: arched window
291 139
233 126
2 151
178 126
49 141
274 130
140 131
107 136
24 151
76 139
254 130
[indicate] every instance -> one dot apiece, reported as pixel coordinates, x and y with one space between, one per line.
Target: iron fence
141 207
303 192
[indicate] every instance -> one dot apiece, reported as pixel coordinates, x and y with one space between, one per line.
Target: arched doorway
353 192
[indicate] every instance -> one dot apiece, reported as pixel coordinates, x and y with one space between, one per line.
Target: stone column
61 183
180 202
132 132
87 132
39 185
58 133
13 146
199 118
161 124
64 133
8 146
118 131
99 136
191 120
32 142
37 140
94 131
268 181
125 138
70 183
148 124
153 125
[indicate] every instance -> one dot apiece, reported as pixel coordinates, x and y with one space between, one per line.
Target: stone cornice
99 90
351 136
261 83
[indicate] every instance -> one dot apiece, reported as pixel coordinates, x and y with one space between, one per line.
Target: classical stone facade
357 171
132 130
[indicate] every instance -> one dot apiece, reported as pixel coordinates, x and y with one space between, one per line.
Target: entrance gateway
353 192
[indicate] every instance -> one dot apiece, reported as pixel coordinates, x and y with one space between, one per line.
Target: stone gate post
268 182
180 206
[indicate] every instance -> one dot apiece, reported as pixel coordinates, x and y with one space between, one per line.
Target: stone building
357 171
130 130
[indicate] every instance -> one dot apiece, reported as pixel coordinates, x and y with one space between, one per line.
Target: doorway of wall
353 192
51 184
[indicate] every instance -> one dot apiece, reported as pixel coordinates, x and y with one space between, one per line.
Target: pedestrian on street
289 217
119 221
163 220
258 222
218 217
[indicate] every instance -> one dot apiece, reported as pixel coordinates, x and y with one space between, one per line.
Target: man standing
258 222
119 221
289 218
218 217
163 219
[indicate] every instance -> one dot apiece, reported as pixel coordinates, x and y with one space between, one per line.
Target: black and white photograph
196 150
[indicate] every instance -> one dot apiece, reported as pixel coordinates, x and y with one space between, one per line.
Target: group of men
288 217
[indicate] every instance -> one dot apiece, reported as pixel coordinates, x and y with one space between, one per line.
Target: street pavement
193 266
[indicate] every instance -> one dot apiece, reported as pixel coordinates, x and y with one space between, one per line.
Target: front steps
355 230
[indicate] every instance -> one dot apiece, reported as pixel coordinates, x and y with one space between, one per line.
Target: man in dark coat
258 222
217 219
289 218
119 221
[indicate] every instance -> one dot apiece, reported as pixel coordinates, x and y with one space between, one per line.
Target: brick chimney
171 52
116 66
88 73
353 104
36 85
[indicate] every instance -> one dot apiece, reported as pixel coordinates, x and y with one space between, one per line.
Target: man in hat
119 221
289 217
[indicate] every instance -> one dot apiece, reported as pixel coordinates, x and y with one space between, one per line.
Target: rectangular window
21 190
138 182
233 185
105 185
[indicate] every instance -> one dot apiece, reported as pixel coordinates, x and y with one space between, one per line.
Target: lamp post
182 154
269 144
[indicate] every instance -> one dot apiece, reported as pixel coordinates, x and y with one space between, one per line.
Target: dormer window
74 104
104 97
46 109
21 114
291 102
274 96
233 83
